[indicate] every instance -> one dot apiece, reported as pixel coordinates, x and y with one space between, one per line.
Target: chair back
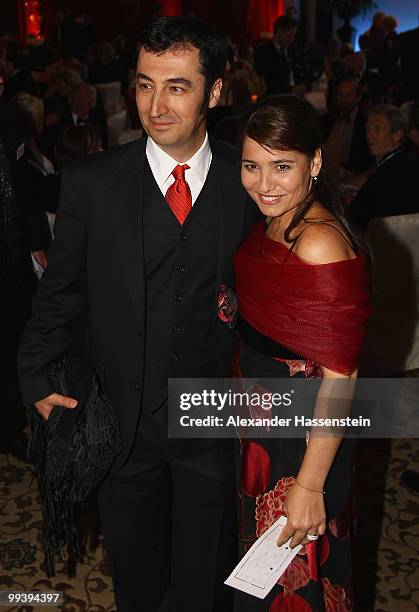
111 96
392 344
116 125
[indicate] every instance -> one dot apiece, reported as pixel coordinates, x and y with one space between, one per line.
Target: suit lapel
126 198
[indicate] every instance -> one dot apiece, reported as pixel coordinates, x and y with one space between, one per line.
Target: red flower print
296 366
256 469
296 575
309 368
289 602
227 305
317 553
269 506
262 409
335 597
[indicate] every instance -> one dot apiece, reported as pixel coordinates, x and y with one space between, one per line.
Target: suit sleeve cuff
34 390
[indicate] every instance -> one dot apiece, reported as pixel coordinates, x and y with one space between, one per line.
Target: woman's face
277 180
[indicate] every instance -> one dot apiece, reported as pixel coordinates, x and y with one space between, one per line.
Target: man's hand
45 405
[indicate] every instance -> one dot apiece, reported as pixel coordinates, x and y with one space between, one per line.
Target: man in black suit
345 149
85 108
20 233
406 47
145 234
393 188
275 61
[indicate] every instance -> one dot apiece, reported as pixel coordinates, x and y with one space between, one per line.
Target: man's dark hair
164 33
285 23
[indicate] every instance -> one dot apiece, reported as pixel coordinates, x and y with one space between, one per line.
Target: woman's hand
305 514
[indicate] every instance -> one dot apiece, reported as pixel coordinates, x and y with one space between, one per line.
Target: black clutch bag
73 451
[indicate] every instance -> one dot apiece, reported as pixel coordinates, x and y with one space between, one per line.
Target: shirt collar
380 161
162 164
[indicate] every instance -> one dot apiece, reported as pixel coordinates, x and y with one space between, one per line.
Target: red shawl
319 311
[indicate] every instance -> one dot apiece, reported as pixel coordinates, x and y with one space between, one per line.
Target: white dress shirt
78 120
162 166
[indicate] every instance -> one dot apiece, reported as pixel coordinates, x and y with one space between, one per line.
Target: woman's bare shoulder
323 241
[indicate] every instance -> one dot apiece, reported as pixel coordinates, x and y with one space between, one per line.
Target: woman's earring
315 178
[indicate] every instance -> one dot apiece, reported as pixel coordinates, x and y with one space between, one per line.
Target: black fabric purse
73 451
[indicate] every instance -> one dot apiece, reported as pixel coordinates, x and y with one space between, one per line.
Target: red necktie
179 195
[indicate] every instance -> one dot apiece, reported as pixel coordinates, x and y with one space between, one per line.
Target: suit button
140 336
177 298
175 356
183 236
176 328
138 386
180 268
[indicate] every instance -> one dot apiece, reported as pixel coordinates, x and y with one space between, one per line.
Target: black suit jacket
97 258
406 46
392 190
274 68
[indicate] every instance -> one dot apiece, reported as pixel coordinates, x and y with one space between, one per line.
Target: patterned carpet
386 557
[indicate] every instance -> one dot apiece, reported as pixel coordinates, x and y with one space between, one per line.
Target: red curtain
171 7
21 22
261 16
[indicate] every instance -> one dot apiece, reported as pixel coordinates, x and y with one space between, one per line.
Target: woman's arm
304 504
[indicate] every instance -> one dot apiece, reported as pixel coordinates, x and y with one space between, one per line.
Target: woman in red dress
303 295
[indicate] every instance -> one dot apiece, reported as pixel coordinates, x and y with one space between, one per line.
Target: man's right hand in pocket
45 405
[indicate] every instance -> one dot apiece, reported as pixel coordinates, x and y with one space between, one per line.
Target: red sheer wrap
319 311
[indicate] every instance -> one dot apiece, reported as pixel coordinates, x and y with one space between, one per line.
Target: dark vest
180 266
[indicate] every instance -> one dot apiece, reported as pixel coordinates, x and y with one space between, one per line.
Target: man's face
82 101
285 38
347 96
170 100
380 139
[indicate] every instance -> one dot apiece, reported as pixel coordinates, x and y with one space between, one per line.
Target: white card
264 563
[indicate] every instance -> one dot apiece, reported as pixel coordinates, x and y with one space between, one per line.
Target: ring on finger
312 537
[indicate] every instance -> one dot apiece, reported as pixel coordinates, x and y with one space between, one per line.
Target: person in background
345 149
57 96
108 69
20 234
75 142
376 37
333 65
38 167
274 61
77 33
389 65
392 189
32 114
39 65
413 134
407 47
83 110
